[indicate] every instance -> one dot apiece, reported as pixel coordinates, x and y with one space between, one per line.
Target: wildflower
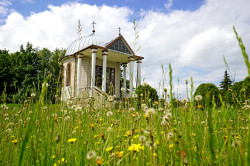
198 98
170 135
160 109
141 95
91 154
121 154
99 160
184 100
109 113
110 98
136 147
109 129
109 149
156 103
171 145
167 117
183 154
72 140
78 108
165 90
14 141
131 109
45 84
164 122
33 95
150 111
149 143
134 96
123 89
142 139
246 107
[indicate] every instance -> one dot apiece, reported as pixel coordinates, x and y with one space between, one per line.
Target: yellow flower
14 141
171 146
99 161
72 140
136 136
53 156
136 147
76 127
156 102
109 149
120 154
193 135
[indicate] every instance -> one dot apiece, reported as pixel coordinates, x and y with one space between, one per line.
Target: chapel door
110 79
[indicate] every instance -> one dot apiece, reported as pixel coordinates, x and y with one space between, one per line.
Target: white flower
160 109
109 113
45 84
167 117
134 95
150 111
109 129
198 98
91 154
170 135
184 100
123 89
142 139
33 95
246 107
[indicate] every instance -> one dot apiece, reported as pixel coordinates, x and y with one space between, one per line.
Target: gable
120 46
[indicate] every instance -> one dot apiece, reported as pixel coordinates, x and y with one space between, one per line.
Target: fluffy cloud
194 42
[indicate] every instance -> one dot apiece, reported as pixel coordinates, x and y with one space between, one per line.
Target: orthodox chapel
91 67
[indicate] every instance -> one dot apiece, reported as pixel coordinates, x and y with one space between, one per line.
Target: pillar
124 78
138 78
79 64
104 70
131 72
93 64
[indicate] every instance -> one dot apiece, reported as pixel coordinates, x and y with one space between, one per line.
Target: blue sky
26 7
192 35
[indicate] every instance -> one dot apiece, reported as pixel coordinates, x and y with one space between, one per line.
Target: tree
149 94
207 91
226 82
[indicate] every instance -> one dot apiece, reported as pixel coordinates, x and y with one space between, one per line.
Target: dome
84 42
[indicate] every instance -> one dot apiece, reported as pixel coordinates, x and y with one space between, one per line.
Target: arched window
68 74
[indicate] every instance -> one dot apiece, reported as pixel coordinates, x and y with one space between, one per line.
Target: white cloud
192 41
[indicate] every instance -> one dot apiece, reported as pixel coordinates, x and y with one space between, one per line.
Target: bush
149 92
207 91
241 90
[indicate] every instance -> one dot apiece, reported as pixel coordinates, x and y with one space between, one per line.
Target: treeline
23 73
231 94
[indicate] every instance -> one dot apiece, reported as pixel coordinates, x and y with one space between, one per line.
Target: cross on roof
119 31
93 26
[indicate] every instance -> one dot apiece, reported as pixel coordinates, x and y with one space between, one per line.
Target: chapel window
63 77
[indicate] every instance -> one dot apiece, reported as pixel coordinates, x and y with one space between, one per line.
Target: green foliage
207 91
149 94
226 82
24 71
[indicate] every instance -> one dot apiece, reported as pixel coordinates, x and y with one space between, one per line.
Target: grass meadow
121 133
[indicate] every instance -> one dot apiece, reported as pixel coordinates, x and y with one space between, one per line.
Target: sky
192 35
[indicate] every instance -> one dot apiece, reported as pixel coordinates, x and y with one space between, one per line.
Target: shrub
207 91
148 92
